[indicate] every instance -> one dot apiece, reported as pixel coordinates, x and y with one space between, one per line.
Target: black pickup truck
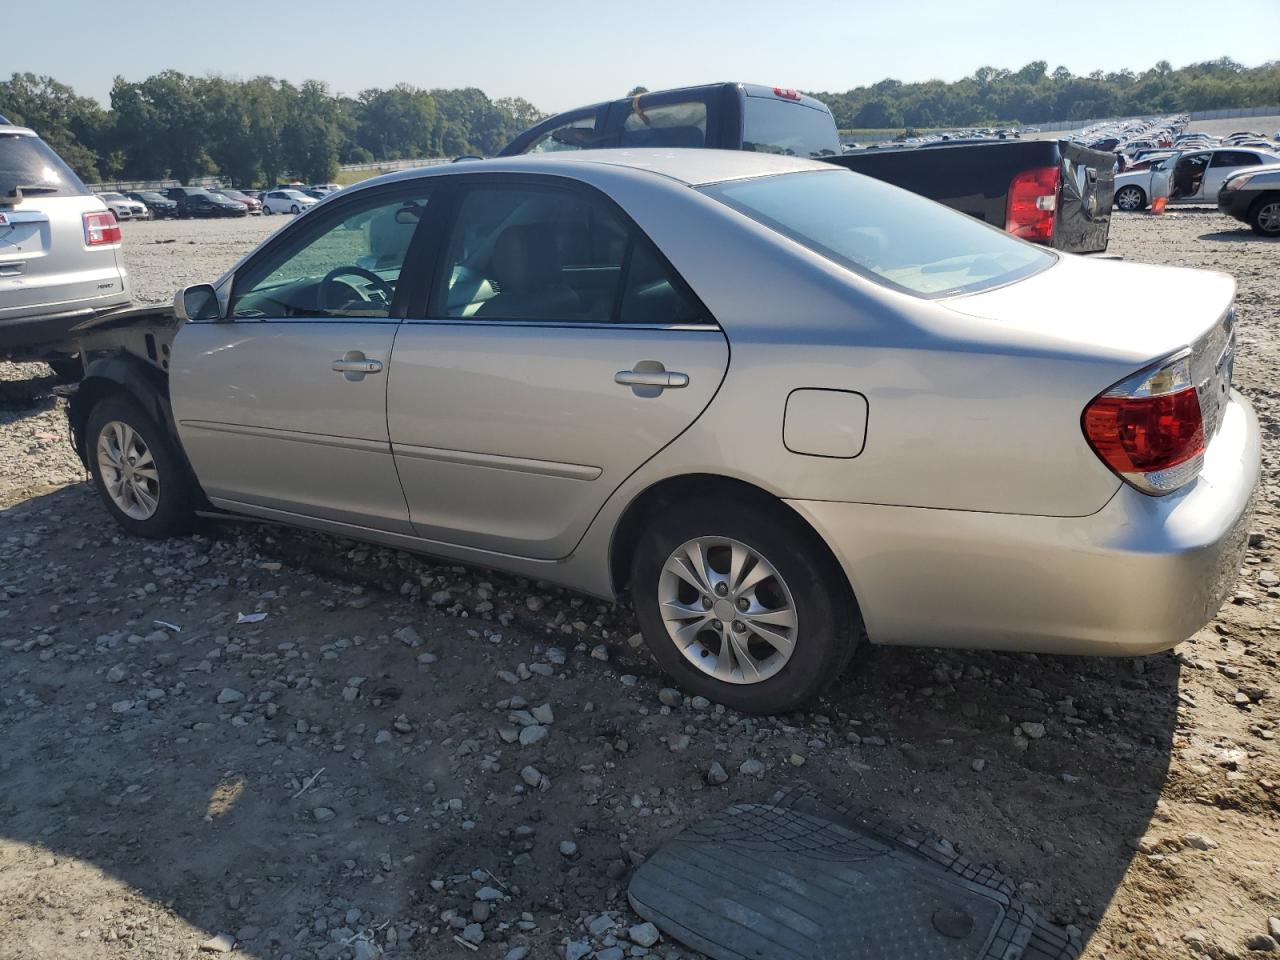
1049 191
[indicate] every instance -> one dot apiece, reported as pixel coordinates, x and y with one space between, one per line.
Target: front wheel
742 604
294 210
138 472
1130 199
1264 218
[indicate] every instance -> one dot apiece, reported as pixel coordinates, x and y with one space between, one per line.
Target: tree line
1036 95
262 130
254 131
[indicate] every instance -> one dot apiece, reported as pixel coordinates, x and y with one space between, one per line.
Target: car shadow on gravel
227 774
1243 235
23 397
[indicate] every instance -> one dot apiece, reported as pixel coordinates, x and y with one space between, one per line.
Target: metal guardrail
1225 114
389 165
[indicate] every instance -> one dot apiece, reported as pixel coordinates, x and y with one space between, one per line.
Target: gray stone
473 933
517 953
229 695
322 814
531 735
489 894
610 953
600 925
670 697
751 768
576 950
645 934
1032 729
408 636
1259 943
544 714
568 848
716 773
222 943
117 673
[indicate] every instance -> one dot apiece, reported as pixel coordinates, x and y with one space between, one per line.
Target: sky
564 53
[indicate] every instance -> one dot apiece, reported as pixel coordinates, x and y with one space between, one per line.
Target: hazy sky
562 53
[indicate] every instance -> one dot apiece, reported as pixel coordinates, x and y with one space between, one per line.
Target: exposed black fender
123 373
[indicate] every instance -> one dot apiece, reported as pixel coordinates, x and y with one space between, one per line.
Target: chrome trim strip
570 324
271 433
542 468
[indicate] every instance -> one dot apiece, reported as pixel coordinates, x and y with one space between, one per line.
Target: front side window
345 265
891 236
579 134
667 125
523 253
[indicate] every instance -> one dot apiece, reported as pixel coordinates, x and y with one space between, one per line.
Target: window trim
432 309
304 231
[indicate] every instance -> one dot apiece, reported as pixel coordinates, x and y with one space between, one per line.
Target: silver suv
60 258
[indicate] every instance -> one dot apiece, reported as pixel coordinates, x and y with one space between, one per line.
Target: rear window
891 236
786 127
666 125
28 162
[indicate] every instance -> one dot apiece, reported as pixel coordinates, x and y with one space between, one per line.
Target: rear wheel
1130 198
294 209
742 605
1264 216
138 472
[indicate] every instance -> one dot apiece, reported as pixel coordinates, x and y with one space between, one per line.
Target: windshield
786 127
111 196
888 235
26 161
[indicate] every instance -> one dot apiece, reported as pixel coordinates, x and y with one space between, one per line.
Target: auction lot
346 777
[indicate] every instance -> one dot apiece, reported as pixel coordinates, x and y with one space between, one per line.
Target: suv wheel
138 473
742 605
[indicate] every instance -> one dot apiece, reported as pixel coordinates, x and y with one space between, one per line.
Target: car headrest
526 257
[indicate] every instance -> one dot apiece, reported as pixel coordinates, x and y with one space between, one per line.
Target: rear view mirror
197 303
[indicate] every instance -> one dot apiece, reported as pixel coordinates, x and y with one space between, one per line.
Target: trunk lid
1132 313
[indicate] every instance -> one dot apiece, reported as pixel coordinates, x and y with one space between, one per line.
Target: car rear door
558 353
1223 164
281 406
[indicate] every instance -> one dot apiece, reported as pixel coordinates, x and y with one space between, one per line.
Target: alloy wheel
727 609
1269 217
1128 198
128 470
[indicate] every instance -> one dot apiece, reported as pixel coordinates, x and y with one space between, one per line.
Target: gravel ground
408 759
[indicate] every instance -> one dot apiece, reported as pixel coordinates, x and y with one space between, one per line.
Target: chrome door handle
630 378
354 365
649 378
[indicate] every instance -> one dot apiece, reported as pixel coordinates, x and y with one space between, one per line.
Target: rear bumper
43 332
1140 575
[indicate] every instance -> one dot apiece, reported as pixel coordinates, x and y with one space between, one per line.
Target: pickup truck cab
722 116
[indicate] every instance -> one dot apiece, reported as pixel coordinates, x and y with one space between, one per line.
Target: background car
160 206
1253 197
327 188
286 201
199 202
576 416
59 252
1193 176
239 196
123 207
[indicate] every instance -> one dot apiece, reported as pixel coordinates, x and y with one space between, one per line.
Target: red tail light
787 93
100 229
1033 203
1149 428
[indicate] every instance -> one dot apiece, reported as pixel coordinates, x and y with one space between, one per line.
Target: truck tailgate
1084 199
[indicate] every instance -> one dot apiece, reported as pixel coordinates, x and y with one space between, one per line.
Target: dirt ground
345 778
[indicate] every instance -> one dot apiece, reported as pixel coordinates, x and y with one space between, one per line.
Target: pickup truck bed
976 178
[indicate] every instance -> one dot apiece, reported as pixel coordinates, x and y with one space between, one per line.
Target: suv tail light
1149 428
1033 203
101 228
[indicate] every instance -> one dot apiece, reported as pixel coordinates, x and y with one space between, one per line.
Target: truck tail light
101 229
786 93
1033 204
1149 428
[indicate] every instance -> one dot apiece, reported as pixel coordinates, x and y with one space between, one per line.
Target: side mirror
197 303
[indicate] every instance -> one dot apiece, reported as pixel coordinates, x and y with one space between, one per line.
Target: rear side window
789 128
891 236
28 162
1235 158
533 253
667 125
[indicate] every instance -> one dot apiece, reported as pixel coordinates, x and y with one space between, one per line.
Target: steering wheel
327 284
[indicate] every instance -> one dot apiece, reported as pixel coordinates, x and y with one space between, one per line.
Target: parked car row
188 202
1188 176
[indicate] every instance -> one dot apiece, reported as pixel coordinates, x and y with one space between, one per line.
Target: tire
68 369
294 210
1264 216
1130 199
797 573
172 510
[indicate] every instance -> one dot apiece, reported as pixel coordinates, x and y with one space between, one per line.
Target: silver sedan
786 407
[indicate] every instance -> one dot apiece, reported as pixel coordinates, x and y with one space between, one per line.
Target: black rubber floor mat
803 878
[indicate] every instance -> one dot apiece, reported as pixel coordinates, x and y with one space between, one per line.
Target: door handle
630 378
649 378
354 365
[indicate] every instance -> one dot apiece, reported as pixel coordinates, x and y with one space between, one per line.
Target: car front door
281 405
560 351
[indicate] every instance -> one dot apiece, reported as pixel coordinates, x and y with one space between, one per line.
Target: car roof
691 166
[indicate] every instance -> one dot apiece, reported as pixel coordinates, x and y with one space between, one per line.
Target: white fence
1227 114
386 166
